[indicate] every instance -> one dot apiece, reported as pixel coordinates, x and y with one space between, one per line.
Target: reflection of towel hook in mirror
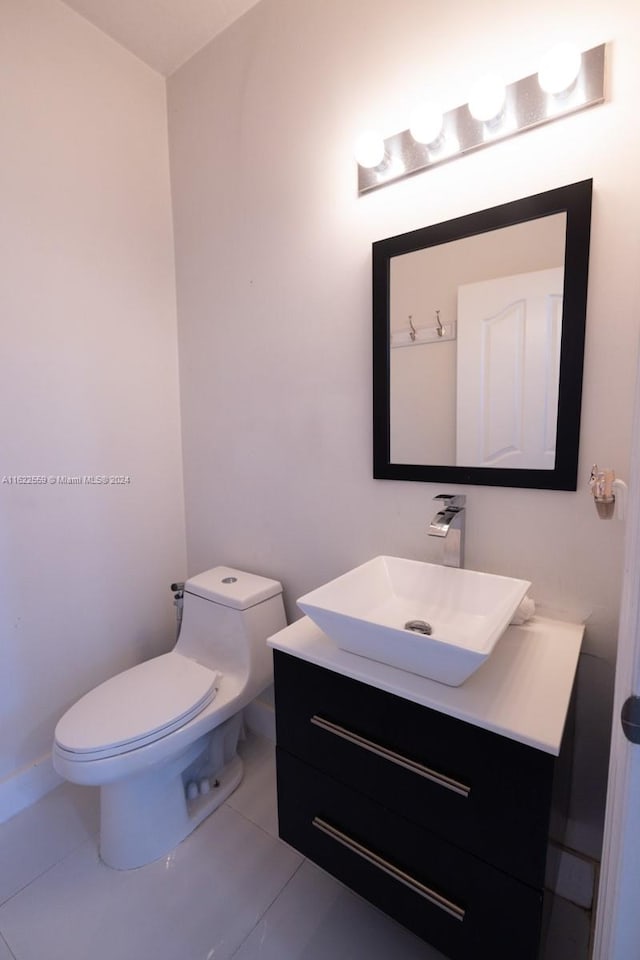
412 333
439 323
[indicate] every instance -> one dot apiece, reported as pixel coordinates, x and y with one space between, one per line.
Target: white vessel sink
365 612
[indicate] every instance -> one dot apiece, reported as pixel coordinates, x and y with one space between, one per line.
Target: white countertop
522 691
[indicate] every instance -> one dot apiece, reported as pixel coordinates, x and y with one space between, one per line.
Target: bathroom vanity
435 803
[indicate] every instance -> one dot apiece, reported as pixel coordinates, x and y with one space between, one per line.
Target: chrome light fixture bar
526 105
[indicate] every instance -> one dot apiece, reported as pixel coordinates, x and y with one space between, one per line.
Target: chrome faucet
449 524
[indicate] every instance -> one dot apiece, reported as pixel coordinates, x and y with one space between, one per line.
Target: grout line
12 954
89 834
89 839
271 837
266 910
239 813
267 833
594 908
228 802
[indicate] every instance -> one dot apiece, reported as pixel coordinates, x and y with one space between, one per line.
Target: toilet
160 739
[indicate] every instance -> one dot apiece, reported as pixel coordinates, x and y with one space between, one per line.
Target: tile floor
232 889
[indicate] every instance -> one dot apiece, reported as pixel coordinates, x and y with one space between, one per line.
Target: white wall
273 268
88 373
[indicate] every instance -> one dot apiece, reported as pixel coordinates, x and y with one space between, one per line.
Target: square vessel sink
365 612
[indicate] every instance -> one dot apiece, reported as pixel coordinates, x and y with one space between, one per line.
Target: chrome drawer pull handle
440 778
435 898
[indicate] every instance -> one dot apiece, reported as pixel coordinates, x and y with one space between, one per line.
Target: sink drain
419 626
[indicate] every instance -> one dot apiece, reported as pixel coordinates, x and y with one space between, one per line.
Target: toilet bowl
160 739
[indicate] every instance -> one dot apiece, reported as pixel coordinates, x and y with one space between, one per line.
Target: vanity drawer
451 899
480 791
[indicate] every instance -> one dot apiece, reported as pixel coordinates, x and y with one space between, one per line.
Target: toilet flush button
230 580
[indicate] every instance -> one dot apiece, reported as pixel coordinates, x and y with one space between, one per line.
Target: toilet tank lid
232 588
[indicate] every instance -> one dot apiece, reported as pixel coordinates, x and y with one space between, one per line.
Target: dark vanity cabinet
438 822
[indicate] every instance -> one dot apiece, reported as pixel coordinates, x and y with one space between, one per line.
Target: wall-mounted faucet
449 524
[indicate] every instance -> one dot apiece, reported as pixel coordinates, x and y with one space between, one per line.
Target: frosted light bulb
559 68
488 97
426 123
369 150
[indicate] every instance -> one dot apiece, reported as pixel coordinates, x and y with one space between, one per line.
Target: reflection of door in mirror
508 362
524 398
423 388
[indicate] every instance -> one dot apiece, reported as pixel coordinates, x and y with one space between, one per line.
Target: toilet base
144 817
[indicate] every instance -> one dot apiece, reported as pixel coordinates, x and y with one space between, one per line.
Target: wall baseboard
260 718
571 876
27 786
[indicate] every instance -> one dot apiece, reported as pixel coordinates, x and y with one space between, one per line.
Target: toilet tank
226 619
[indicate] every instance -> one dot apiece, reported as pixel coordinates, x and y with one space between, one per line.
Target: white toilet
160 739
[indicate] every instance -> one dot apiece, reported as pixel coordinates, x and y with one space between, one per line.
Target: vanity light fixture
487 101
559 69
567 81
425 125
369 150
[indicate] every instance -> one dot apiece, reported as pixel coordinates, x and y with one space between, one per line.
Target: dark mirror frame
575 201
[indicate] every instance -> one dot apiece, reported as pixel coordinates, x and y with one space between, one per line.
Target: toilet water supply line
178 601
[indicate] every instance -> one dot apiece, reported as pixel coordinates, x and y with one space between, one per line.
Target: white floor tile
200 902
568 932
256 797
40 836
230 890
316 918
5 953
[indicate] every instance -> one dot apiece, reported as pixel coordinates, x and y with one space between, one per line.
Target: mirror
478 344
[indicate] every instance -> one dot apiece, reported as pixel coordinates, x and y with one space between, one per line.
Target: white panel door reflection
508 361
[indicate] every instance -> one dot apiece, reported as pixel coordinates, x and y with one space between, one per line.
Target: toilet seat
136 707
